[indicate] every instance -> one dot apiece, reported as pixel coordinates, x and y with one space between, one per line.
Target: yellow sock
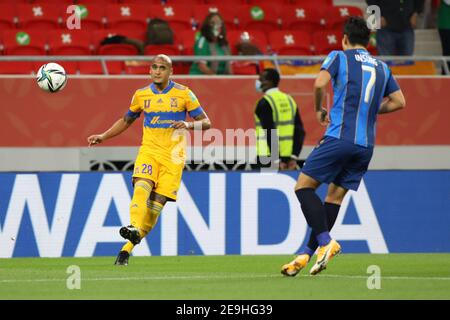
138 207
151 218
128 247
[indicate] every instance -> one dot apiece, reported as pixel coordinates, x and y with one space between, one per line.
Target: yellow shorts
166 174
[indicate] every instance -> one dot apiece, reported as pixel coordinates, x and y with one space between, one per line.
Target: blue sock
323 238
309 251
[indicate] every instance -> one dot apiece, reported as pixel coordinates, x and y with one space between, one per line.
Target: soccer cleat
292 268
324 255
130 233
122 258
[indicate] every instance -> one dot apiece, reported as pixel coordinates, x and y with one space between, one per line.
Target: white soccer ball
51 77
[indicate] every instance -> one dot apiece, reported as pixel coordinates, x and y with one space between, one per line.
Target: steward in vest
278 123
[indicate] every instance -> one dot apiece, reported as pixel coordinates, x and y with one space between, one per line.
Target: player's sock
138 206
332 213
150 219
128 247
314 212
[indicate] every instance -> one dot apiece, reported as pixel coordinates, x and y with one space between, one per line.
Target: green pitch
403 276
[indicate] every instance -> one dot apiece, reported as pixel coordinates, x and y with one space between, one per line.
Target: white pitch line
220 277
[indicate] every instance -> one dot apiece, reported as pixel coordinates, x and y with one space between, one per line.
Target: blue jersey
359 83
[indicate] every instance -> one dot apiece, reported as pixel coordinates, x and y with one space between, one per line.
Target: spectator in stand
444 27
398 20
211 42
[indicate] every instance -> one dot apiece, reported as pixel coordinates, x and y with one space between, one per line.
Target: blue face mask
258 86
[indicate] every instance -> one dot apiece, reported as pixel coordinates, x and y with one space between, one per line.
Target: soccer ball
51 77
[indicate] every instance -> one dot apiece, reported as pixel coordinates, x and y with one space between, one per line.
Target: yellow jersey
161 109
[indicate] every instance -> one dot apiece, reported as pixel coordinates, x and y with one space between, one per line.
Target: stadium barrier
79 214
420 65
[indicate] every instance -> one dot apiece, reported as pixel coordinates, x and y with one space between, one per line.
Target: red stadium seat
75 43
187 41
92 16
245 67
259 17
51 2
290 42
39 16
184 2
305 18
137 67
255 37
265 2
146 2
318 3
228 14
21 42
326 41
168 49
116 67
127 16
98 2
178 16
338 15
231 3
8 16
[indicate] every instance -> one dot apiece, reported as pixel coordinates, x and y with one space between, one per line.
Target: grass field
403 276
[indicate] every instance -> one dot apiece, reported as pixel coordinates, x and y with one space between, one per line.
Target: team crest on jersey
173 103
147 104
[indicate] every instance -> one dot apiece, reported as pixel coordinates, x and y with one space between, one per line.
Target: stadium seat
230 3
178 16
24 42
51 2
259 17
8 16
187 41
245 67
127 17
265 2
75 43
99 2
326 41
304 18
184 2
318 3
290 42
228 14
116 67
146 2
338 15
255 37
94 16
168 49
39 16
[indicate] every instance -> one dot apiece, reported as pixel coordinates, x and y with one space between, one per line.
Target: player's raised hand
95 139
322 117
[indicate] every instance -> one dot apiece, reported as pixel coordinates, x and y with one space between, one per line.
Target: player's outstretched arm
395 101
201 122
117 128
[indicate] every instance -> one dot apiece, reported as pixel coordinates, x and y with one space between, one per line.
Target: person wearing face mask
278 123
211 42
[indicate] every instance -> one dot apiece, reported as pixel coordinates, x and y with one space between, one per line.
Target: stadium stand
315 28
